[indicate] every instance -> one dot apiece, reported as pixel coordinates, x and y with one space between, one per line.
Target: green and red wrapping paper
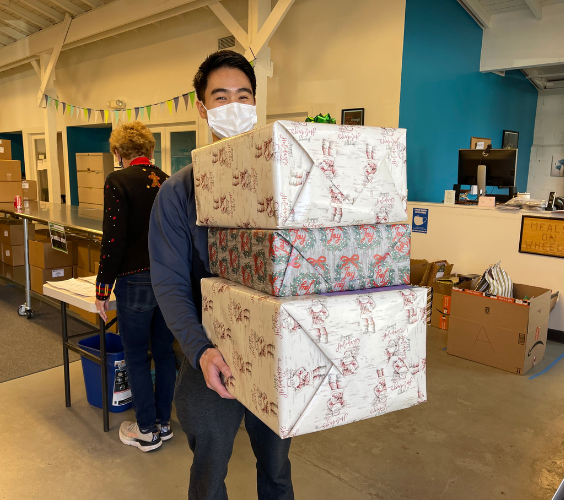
284 262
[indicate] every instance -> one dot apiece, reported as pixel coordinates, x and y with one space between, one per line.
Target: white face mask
232 119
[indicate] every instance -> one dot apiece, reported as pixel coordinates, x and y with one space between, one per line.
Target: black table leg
66 354
105 409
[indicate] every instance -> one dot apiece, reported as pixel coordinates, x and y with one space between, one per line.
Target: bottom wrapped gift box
304 364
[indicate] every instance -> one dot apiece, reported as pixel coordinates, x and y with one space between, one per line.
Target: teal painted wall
17 147
84 140
445 99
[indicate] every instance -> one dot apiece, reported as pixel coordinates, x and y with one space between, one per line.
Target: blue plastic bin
93 375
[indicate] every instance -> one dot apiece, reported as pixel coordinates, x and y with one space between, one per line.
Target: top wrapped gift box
293 175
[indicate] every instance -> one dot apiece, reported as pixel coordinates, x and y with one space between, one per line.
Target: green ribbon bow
321 119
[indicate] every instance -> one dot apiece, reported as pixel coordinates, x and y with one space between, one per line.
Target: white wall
473 238
326 57
548 143
519 40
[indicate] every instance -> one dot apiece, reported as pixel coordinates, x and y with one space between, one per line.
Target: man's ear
202 110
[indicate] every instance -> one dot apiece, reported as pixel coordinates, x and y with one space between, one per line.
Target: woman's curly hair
131 140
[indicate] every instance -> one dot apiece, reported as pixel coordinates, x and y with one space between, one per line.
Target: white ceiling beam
53 14
27 15
270 25
113 18
93 3
46 76
17 23
70 7
536 8
11 32
36 67
478 11
230 23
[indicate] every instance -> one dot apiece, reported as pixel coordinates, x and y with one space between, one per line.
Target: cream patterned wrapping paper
304 364
294 174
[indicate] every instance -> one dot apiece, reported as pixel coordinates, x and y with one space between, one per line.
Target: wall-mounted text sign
542 236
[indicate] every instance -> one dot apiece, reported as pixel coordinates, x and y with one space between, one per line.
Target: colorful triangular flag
46 97
136 113
176 101
128 115
185 97
49 100
142 111
149 112
169 105
85 114
116 115
89 113
71 110
101 114
106 115
161 106
64 107
192 95
56 104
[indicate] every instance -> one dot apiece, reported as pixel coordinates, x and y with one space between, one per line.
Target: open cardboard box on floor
507 333
442 291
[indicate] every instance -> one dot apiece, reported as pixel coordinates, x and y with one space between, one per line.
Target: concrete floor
483 434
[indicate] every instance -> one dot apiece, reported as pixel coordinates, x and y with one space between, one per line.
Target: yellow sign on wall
542 236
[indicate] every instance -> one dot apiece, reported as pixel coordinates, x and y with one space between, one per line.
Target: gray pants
211 424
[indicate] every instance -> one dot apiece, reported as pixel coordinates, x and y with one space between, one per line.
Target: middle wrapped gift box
286 262
304 364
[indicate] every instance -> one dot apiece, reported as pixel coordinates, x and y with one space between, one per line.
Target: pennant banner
123 115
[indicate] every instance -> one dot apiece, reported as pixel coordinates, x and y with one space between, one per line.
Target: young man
225 85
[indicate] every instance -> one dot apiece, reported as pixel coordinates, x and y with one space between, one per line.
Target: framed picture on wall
479 142
510 140
557 165
353 116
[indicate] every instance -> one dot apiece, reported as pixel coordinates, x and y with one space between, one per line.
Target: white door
174 145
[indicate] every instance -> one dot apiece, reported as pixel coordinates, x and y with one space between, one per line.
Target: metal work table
87 221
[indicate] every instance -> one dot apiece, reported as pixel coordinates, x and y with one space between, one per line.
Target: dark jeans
142 326
211 424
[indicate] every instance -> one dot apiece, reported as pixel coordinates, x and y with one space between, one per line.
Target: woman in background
124 259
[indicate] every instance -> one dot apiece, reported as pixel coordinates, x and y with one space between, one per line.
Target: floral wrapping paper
304 364
295 174
285 262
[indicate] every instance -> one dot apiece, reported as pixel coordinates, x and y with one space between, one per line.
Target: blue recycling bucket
119 394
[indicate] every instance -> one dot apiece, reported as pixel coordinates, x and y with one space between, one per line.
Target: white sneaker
130 434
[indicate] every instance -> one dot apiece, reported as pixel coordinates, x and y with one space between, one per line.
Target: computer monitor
501 166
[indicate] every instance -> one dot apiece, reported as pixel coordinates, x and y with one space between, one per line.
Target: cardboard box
94 318
507 333
82 273
91 195
12 232
13 254
308 363
41 234
42 255
88 253
5 149
9 190
41 276
284 262
436 270
417 270
29 189
293 175
16 274
10 170
442 291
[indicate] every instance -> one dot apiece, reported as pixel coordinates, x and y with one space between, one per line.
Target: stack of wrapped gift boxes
312 309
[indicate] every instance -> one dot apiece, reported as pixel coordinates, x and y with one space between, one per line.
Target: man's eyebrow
220 90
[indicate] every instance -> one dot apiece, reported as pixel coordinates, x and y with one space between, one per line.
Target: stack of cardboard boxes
12 248
47 264
11 184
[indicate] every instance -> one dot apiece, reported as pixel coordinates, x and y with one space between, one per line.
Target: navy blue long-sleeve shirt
178 251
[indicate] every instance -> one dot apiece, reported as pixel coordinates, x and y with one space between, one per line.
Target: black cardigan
129 195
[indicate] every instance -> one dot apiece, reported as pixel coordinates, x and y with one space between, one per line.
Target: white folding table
87 304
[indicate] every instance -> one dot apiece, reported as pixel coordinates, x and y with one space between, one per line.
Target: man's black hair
222 59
